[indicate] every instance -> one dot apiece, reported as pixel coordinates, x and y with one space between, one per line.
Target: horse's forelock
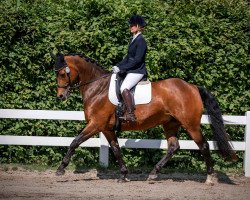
60 62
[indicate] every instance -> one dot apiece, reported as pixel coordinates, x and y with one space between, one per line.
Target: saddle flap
142 93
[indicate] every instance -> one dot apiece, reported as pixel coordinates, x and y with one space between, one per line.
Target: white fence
102 143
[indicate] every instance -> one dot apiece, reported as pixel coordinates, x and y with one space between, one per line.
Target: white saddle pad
143 93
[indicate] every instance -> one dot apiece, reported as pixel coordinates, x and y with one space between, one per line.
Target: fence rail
102 143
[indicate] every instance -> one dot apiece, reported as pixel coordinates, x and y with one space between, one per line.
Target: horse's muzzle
63 95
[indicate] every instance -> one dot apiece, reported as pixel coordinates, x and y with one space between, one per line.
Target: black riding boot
128 100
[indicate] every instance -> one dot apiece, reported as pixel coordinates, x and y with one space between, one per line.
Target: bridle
71 85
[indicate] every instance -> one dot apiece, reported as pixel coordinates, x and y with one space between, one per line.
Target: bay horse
175 104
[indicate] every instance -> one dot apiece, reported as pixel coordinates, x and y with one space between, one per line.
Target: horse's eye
62 73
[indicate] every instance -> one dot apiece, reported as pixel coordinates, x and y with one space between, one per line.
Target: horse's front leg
112 139
85 134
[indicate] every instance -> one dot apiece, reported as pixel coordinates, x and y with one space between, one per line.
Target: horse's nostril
60 96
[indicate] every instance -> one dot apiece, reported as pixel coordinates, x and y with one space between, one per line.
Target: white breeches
130 81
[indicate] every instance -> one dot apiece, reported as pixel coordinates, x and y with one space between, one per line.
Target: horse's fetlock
124 170
210 170
60 172
65 161
158 168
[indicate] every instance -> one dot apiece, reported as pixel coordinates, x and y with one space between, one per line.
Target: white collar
135 36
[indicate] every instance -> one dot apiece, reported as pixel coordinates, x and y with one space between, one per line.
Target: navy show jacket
134 62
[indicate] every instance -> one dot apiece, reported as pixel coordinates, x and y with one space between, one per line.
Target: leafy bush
203 42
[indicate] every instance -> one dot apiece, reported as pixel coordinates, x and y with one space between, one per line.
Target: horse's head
66 75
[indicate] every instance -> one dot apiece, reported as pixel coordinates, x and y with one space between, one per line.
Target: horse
175 103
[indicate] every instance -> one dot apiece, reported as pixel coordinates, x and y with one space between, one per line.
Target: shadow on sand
176 176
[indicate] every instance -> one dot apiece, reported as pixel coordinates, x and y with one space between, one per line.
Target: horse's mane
88 59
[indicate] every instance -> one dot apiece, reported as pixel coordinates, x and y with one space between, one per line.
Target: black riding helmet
137 20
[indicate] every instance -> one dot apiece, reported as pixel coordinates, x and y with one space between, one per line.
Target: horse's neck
89 71
91 78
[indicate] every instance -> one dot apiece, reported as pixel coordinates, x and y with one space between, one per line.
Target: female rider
133 65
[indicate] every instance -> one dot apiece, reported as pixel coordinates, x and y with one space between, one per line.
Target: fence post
247 146
104 151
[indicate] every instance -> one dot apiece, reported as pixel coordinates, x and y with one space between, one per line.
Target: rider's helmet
137 20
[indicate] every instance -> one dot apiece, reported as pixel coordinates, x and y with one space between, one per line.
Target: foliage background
205 42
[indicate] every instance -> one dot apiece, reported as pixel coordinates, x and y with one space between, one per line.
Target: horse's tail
217 124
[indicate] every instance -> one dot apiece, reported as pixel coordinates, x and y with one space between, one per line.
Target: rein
70 85
91 81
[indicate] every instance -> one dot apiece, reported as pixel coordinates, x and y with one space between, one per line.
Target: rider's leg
130 81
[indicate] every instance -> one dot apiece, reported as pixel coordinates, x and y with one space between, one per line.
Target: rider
133 65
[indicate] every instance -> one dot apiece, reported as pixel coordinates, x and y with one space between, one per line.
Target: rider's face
134 28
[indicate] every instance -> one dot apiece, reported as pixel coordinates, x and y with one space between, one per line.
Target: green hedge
205 42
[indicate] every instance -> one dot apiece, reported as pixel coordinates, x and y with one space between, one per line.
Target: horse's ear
53 55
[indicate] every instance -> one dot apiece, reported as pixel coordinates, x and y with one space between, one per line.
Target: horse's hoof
211 179
123 180
60 172
209 183
152 177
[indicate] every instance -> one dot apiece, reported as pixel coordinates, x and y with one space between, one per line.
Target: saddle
118 83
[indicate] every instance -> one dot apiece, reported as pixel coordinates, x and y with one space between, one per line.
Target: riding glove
116 69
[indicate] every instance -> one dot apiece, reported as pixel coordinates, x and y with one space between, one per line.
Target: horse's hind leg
170 129
205 151
112 139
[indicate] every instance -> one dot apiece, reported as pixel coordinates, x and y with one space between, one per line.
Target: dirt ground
92 184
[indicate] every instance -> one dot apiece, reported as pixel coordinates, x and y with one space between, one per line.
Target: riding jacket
134 62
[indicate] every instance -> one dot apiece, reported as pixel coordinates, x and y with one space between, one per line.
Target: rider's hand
116 70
